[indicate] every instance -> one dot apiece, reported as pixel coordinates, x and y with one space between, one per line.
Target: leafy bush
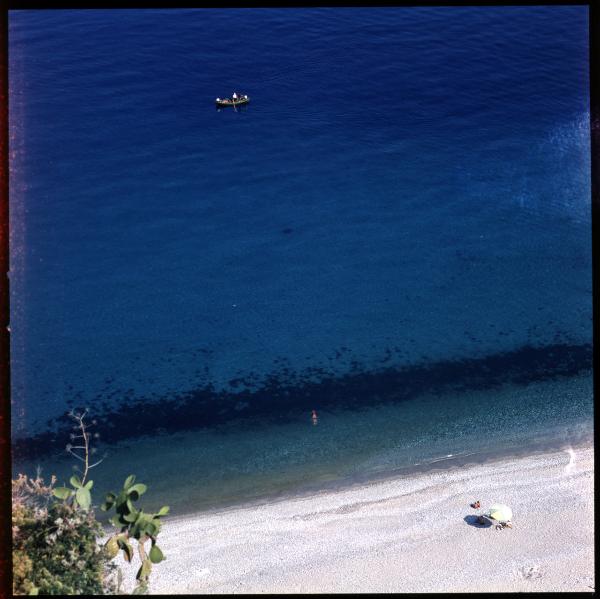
55 543
55 548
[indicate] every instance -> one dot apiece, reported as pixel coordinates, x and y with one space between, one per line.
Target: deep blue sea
395 232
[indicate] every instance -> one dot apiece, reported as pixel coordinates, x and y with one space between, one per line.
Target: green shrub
55 543
55 548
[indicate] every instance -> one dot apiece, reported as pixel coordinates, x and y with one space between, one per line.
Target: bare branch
77 456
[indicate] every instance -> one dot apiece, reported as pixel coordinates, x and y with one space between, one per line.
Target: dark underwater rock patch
285 394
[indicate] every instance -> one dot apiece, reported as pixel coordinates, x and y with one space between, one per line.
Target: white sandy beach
403 535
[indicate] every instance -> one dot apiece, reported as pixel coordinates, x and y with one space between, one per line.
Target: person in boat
235 96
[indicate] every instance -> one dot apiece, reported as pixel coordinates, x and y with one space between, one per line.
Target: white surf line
446 457
452 455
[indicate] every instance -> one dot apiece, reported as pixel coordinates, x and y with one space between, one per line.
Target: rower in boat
235 100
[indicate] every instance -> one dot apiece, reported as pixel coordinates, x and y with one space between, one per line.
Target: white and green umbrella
500 512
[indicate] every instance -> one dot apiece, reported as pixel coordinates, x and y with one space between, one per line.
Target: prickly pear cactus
134 524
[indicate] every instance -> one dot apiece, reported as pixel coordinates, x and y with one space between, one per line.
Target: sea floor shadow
472 520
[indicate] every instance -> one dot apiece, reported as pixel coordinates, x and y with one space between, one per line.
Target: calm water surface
394 232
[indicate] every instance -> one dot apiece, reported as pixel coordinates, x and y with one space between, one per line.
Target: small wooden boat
223 102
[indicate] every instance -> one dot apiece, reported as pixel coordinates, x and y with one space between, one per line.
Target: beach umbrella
500 512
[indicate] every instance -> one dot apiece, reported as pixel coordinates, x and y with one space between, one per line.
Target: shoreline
396 535
238 466
545 446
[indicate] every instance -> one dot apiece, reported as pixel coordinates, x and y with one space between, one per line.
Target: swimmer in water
314 417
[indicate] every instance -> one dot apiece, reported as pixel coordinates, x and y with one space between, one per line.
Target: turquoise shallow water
400 219
197 471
